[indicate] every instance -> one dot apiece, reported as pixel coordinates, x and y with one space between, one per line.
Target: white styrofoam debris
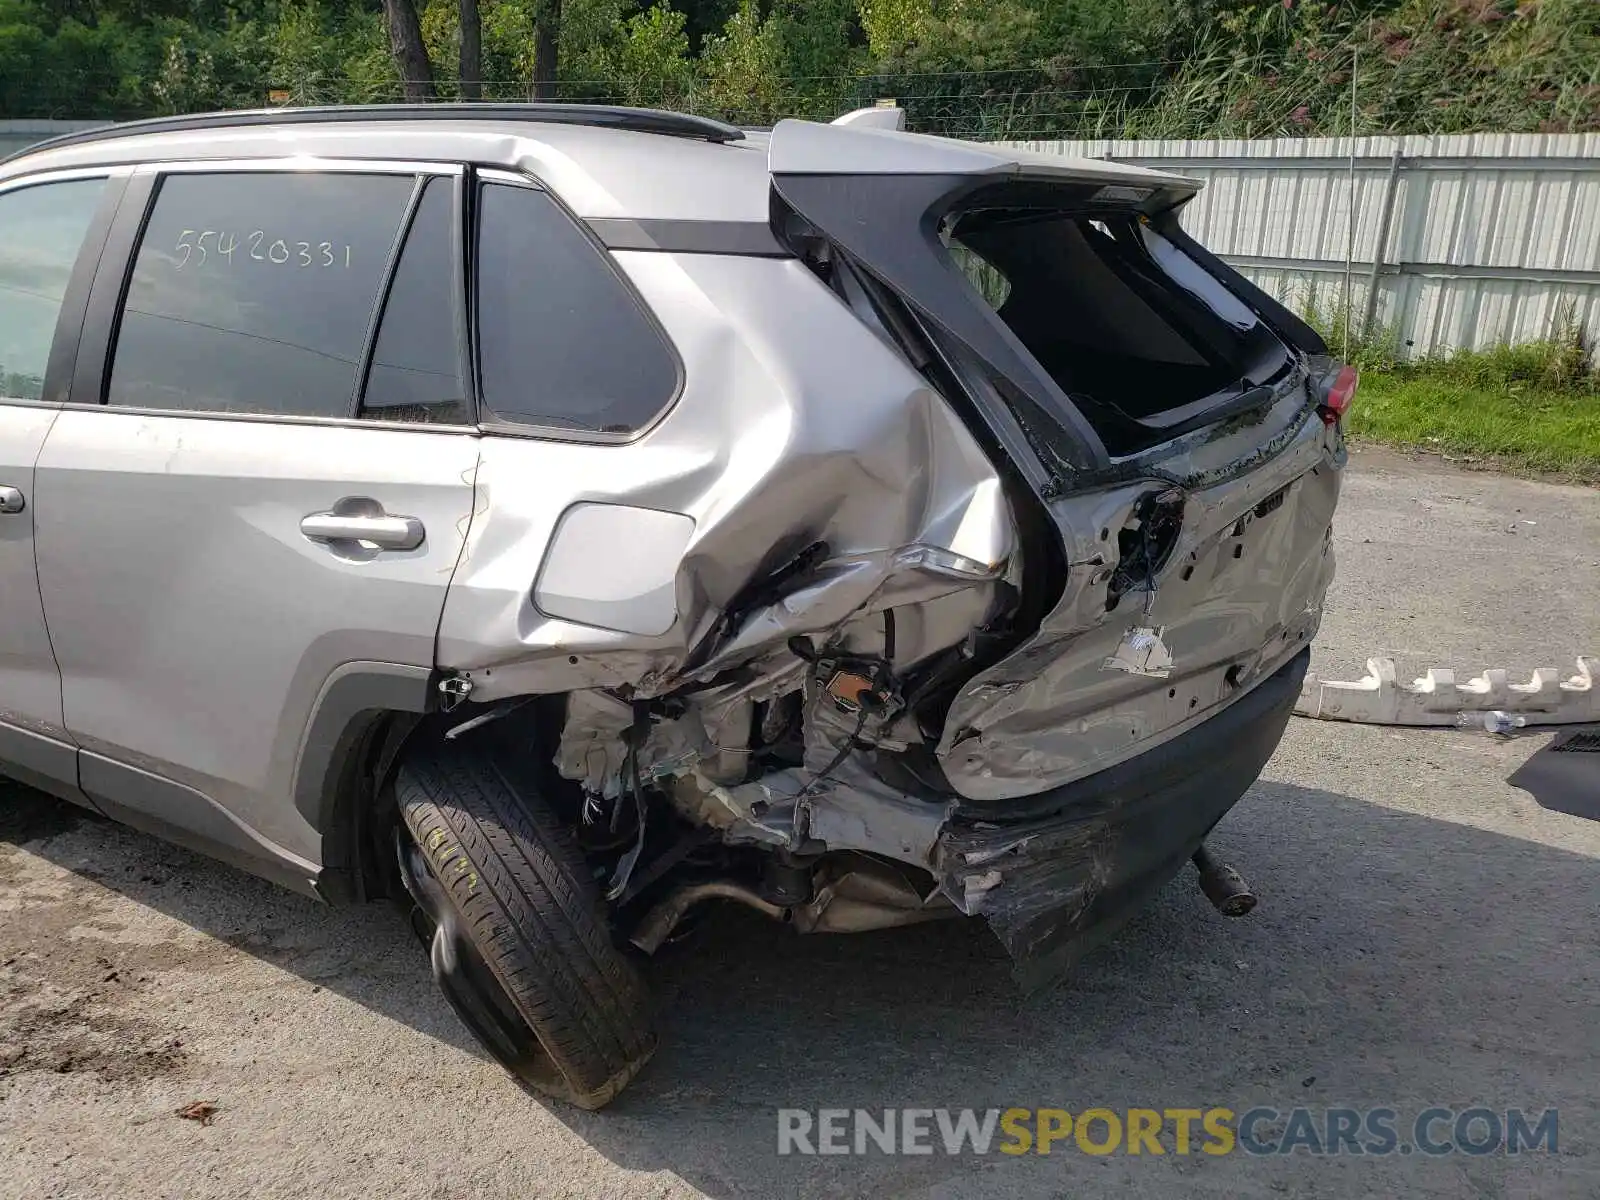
1436 698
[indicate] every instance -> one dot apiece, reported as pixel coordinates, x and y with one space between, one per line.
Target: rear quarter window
563 344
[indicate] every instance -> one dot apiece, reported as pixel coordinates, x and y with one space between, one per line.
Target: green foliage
1562 360
645 60
743 67
1419 65
51 65
1555 365
976 68
322 57
823 53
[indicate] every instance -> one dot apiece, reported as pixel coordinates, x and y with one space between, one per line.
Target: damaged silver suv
557 517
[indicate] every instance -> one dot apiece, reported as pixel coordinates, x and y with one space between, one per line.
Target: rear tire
521 944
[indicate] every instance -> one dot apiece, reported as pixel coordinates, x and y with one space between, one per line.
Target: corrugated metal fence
1463 241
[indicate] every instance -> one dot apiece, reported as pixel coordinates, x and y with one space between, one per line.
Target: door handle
11 500
376 529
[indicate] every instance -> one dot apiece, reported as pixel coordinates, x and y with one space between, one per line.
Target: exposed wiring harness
880 697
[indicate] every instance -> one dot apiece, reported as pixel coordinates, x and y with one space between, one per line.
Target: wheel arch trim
352 700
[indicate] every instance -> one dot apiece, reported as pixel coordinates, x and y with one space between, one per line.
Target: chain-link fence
1243 97
1011 103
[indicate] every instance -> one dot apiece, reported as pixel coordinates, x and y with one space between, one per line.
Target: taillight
1340 393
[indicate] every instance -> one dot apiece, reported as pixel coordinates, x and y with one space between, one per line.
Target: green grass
1532 408
1517 425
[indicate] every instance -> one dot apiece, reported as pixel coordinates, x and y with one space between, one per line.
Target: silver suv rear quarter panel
796 425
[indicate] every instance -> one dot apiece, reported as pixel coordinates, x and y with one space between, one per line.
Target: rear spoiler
888 116
870 141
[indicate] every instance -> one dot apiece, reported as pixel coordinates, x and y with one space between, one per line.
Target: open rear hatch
1168 421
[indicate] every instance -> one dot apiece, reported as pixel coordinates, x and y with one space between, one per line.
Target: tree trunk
546 47
410 55
471 51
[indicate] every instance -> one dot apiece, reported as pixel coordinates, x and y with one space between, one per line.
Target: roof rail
638 120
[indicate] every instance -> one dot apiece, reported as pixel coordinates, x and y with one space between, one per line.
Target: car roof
603 161
699 170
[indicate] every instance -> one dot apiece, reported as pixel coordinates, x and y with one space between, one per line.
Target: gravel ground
1427 936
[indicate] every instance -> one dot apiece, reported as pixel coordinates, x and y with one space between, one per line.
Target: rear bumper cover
1065 868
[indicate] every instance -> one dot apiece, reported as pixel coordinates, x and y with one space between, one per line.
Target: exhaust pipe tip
1233 898
1227 890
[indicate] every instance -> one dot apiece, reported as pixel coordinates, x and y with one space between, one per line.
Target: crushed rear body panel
1059 878
989 504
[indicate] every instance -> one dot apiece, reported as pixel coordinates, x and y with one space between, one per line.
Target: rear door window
254 292
42 228
562 342
416 372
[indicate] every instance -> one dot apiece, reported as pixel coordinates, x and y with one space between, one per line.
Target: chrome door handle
11 500
383 531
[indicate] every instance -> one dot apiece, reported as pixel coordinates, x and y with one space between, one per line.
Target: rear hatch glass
1140 339
1106 331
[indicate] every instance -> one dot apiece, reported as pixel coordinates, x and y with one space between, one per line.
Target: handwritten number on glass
191 248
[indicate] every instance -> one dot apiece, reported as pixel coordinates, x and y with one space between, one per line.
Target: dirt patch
64 1008
1495 464
83 1036
67 988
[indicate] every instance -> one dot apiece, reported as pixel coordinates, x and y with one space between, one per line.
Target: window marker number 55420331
192 249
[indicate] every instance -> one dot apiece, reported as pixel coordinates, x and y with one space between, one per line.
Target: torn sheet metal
849 810
594 745
1055 885
1379 698
1238 594
836 801
1142 651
